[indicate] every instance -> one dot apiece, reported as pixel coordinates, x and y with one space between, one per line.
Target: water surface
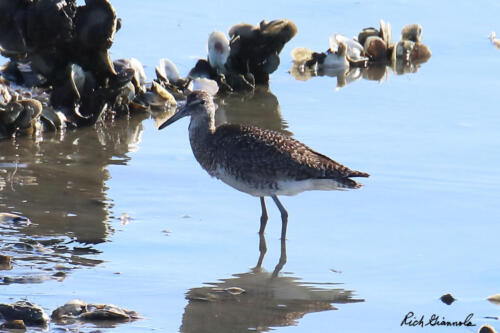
131 218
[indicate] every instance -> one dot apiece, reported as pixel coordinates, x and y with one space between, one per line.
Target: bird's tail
354 173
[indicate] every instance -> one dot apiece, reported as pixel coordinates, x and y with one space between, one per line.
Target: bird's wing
273 154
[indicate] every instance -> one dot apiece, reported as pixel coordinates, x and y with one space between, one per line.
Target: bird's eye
202 102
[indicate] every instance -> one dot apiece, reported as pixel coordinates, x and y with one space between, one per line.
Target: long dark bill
176 116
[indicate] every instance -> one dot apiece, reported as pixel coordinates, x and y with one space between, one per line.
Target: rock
494 299
79 310
73 308
448 299
14 218
487 329
29 313
98 312
14 325
5 262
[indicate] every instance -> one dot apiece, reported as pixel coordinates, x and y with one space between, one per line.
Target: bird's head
198 104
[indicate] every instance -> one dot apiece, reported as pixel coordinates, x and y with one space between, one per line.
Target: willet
257 161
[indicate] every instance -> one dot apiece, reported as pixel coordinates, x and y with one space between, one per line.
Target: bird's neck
201 130
201 127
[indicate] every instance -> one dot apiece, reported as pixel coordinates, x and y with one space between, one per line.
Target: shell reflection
46 241
370 55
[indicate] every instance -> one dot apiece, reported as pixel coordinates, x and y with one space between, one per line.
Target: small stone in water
487 329
125 219
77 309
448 299
494 299
72 308
30 313
14 218
14 325
59 276
5 261
108 312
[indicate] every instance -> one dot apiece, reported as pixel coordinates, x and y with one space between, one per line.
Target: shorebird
260 162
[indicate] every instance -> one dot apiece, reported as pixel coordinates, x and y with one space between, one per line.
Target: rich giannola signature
410 319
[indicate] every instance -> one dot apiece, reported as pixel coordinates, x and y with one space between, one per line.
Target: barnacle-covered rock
28 312
247 59
256 50
64 49
79 310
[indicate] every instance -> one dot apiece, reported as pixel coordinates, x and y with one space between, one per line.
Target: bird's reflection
258 300
259 108
56 186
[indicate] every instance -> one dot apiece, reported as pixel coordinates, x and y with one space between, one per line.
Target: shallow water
130 218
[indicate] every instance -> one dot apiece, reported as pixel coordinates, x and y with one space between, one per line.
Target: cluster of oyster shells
236 64
18 112
371 48
60 74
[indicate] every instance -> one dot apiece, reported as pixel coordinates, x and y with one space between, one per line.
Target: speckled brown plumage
261 157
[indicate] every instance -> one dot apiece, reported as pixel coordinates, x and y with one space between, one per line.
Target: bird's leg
262 250
282 260
284 216
263 218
